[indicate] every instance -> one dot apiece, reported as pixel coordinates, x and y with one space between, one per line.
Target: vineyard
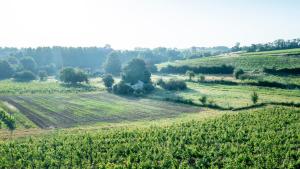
258 139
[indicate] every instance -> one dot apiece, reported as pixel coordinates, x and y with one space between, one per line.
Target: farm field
226 95
257 139
70 110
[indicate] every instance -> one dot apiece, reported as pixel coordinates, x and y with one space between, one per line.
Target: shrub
25 76
174 84
28 63
203 100
122 88
201 78
254 97
108 80
238 72
113 64
148 87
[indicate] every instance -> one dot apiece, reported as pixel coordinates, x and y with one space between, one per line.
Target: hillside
248 61
260 139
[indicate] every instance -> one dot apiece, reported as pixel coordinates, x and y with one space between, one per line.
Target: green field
246 61
259 139
85 126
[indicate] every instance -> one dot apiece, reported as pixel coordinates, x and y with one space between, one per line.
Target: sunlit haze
125 24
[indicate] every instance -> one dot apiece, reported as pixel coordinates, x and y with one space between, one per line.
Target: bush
203 100
25 76
201 78
148 87
174 84
238 72
122 88
289 71
71 75
190 74
108 80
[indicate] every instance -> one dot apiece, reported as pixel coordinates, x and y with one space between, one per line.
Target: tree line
275 45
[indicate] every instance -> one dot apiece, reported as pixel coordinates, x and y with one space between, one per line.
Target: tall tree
28 63
6 70
113 64
136 70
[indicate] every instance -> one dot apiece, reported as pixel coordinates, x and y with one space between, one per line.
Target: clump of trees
25 76
172 84
73 76
136 79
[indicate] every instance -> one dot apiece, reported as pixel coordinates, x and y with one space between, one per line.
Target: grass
246 61
265 138
228 96
47 87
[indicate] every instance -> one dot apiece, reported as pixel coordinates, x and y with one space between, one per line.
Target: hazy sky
146 23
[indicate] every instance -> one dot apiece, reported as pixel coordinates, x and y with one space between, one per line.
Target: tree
136 70
42 75
238 72
254 97
25 76
6 70
190 74
108 80
203 100
113 64
71 75
28 63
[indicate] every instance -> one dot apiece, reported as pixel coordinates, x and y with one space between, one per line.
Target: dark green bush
122 88
173 84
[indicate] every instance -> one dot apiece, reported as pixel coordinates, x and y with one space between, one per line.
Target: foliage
203 100
238 72
42 75
223 69
108 80
243 140
254 97
122 88
28 64
190 74
173 84
25 76
6 70
284 71
113 64
73 76
201 78
136 70
8 120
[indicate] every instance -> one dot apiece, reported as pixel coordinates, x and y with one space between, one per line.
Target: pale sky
125 24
